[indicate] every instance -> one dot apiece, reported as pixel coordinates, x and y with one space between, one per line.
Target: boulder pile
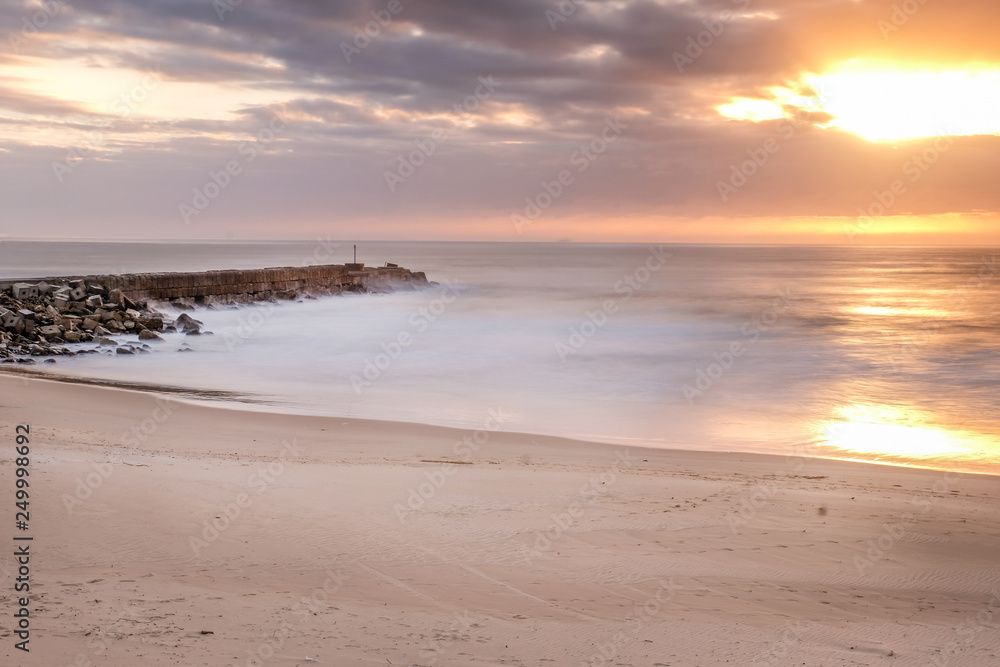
38 319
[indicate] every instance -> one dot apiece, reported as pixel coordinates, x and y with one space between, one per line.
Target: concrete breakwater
39 315
236 286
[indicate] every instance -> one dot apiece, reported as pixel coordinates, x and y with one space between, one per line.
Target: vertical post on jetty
355 266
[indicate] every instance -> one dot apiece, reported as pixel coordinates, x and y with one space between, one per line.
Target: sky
727 121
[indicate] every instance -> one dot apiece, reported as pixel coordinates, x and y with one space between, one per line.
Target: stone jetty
40 316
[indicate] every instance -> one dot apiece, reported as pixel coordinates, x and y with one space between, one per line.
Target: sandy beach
168 532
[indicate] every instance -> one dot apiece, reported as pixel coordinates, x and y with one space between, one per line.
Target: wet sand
171 532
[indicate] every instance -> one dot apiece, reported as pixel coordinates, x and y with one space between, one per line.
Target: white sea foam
743 348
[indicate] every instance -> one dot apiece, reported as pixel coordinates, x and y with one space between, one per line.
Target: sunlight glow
744 108
890 431
146 94
912 311
886 103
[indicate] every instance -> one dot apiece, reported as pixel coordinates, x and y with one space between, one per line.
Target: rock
154 323
8 318
50 361
23 291
101 331
107 341
183 303
146 334
71 336
124 350
51 331
90 325
188 324
116 297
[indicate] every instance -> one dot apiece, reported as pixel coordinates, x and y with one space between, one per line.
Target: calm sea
889 354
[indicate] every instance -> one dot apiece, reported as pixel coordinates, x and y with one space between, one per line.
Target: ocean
871 353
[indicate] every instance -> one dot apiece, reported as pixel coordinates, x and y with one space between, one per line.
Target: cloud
352 113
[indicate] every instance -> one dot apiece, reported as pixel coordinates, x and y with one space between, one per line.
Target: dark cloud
359 103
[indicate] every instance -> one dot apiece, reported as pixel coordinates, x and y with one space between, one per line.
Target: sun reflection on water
894 432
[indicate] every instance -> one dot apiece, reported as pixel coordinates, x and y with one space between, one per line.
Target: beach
536 334
173 531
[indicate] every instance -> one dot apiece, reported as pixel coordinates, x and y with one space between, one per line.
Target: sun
882 103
